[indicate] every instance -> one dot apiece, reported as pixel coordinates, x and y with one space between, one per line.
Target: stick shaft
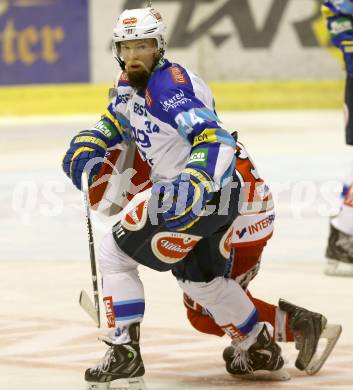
92 255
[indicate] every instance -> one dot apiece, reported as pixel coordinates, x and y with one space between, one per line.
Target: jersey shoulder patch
170 92
172 77
178 75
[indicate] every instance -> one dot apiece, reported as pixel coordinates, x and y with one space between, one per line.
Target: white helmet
140 23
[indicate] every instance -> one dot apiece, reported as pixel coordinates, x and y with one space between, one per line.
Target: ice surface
46 340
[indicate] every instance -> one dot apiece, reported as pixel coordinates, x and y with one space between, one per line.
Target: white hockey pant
123 292
226 302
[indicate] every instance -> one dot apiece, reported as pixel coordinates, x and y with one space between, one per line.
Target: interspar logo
261 225
256 230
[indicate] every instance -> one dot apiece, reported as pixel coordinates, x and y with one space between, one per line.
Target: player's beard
138 74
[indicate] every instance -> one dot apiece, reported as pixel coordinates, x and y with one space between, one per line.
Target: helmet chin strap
121 63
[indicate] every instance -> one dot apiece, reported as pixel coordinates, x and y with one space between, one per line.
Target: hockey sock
218 297
124 301
276 317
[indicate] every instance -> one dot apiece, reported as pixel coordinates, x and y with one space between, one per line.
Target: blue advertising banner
44 41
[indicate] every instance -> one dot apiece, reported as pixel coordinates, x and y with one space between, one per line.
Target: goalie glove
188 195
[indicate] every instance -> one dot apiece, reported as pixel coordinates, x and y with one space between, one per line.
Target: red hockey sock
277 318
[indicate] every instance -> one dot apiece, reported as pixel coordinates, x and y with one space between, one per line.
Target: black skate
339 253
262 360
121 368
308 328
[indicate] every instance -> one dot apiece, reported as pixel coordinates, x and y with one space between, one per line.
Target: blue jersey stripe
213 152
225 138
122 83
133 317
249 323
124 310
123 122
129 301
228 174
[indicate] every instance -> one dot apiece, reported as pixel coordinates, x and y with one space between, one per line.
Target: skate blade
331 333
338 268
119 384
265 375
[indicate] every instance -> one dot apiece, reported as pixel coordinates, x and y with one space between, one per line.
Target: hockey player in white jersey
339 252
183 223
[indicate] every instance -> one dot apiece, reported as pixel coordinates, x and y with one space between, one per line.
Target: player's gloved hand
341 29
88 146
187 195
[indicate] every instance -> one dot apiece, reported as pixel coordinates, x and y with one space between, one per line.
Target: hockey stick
86 303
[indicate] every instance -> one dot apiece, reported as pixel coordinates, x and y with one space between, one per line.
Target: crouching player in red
250 232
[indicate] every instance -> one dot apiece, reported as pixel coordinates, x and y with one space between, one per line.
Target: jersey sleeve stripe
214 136
113 120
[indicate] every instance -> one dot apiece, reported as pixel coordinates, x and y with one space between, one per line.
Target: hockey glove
188 195
341 30
88 146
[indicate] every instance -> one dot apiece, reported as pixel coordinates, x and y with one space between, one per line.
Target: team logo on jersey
148 98
175 101
130 21
341 25
104 127
136 218
109 310
199 157
171 247
177 75
225 244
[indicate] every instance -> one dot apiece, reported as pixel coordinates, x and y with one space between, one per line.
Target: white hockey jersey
173 124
